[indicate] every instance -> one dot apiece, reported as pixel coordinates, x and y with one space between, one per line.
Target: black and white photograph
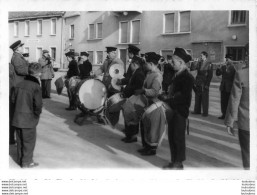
167 89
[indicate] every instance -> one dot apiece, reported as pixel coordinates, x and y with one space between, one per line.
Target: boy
27 100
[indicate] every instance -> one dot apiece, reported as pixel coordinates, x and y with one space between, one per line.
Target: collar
32 78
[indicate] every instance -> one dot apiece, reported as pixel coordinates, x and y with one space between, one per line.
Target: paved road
63 144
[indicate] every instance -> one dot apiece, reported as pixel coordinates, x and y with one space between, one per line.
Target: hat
16 44
25 54
169 57
110 49
159 56
69 54
152 57
45 51
76 54
180 52
84 53
228 56
137 60
133 49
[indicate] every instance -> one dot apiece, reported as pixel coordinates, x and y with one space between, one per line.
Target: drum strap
153 107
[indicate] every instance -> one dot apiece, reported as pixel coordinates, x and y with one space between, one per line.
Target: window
135 31
39 52
169 23
26 50
16 29
166 52
39 27
99 30
99 57
27 29
238 17
91 31
236 52
184 21
124 32
53 52
53 26
91 56
72 31
177 22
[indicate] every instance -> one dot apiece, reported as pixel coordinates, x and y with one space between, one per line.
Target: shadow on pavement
102 136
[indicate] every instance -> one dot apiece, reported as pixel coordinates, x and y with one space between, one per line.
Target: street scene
129 90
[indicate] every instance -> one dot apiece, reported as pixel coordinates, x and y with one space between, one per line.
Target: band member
133 51
18 70
136 82
47 73
202 83
72 71
227 71
179 99
168 74
238 108
27 100
104 69
86 67
151 89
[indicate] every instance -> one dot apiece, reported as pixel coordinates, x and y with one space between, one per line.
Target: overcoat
47 68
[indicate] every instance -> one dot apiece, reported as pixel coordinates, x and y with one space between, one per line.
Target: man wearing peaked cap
86 67
179 99
133 49
18 70
227 72
109 61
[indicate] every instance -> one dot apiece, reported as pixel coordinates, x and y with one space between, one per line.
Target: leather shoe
195 113
168 166
142 150
149 152
130 140
221 117
204 115
70 108
30 165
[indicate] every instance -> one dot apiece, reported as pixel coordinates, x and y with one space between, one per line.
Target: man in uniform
168 74
18 70
228 72
86 67
151 132
179 100
202 83
47 73
104 69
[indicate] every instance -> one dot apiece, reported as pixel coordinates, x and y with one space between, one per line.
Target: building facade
39 31
217 32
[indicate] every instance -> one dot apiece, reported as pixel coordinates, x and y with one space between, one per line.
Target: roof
26 15
71 14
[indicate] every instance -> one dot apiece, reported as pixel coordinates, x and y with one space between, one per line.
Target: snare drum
91 95
115 102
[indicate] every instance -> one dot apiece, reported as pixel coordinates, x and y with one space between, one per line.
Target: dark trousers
244 140
71 96
46 87
202 100
224 98
176 136
131 130
11 128
144 144
26 141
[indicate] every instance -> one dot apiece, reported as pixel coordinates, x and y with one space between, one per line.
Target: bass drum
115 102
91 95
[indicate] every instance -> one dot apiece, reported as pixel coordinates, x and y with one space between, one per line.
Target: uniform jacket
27 100
153 85
20 67
47 68
85 69
135 82
12 77
73 69
238 106
180 93
228 73
168 73
204 74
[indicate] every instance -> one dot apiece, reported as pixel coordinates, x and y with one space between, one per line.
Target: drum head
92 94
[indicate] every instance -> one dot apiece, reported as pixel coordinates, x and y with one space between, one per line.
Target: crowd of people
157 93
